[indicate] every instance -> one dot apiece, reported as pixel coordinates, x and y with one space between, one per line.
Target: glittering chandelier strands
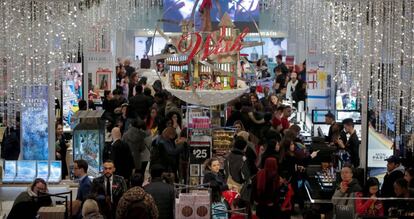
37 37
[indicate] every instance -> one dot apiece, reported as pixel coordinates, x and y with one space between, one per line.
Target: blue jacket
84 189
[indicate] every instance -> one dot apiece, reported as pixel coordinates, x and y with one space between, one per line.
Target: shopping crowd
267 160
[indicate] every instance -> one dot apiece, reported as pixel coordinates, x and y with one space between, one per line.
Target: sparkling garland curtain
37 37
373 37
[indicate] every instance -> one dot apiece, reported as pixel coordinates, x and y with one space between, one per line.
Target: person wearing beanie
90 210
233 164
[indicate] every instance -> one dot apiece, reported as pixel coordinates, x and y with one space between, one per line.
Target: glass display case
89 139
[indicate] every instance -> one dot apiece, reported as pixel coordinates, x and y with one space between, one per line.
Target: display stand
222 143
193 201
88 139
200 141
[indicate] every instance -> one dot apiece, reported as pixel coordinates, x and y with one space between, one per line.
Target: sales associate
330 120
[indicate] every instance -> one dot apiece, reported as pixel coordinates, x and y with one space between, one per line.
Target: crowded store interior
201 109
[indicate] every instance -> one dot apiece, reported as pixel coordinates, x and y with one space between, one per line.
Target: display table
9 192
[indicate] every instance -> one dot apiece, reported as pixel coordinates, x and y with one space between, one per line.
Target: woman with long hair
265 190
152 121
372 206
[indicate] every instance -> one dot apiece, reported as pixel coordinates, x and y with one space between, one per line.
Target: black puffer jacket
164 197
233 165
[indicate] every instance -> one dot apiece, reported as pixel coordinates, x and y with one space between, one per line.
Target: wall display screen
87 147
144 46
242 13
26 171
34 122
318 116
345 114
42 169
55 171
272 47
10 171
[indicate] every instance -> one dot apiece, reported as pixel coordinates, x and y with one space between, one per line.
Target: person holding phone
346 189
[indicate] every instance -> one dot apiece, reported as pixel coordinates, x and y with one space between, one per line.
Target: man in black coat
394 171
163 193
114 190
10 146
351 144
139 104
121 155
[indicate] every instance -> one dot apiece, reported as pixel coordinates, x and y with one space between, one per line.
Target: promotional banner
34 122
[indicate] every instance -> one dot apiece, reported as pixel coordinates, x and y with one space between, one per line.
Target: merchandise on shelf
222 141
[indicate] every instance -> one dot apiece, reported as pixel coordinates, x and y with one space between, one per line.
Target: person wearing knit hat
233 164
90 210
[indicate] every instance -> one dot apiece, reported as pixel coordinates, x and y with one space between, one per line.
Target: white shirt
111 179
291 86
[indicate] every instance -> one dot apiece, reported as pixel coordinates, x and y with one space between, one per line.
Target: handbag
344 211
231 183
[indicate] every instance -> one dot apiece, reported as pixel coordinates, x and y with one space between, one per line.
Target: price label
199 154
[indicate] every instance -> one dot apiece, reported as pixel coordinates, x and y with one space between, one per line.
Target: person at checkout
330 120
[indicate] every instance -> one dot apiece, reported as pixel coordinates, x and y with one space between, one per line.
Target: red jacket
368 207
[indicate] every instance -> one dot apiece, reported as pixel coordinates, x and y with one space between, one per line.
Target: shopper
280 81
351 145
347 189
330 120
128 68
394 171
29 202
10 144
265 190
90 210
121 155
114 187
163 193
139 104
212 176
235 114
371 207
281 65
233 164
174 119
272 149
61 148
164 151
401 207
134 137
133 82
292 86
80 170
152 121
409 177
136 203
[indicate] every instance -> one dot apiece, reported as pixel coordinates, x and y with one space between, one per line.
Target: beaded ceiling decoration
371 42
39 36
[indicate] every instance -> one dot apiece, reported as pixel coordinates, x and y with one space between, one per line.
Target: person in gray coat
134 137
347 188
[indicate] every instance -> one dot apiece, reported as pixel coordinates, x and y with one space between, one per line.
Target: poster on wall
86 146
72 92
103 79
34 122
379 148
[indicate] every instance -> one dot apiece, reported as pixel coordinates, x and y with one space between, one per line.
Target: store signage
34 122
208 47
198 154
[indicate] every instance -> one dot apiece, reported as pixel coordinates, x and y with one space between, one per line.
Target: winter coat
132 196
164 197
353 188
134 137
